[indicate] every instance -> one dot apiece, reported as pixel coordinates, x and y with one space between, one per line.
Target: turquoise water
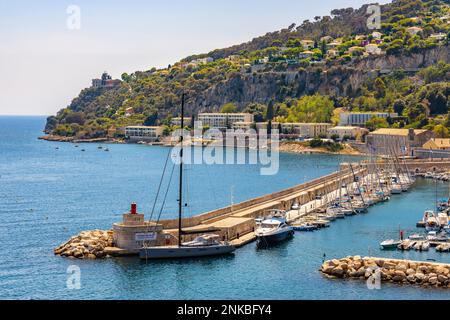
48 195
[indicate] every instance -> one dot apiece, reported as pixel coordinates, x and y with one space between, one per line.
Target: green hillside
300 73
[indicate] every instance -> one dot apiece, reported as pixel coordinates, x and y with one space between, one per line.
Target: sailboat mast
180 204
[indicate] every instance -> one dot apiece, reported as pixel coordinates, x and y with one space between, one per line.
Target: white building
143 133
201 61
347 132
438 36
377 35
177 121
307 44
223 120
360 118
306 130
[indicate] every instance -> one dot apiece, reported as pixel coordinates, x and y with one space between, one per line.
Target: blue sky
44 65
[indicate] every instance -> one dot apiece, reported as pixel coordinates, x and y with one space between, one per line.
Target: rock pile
86 245
400 271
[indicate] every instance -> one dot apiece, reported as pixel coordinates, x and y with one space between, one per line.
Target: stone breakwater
390 270
86 245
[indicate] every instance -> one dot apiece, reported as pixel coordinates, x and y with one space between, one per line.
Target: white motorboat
416 237
396 189
390 244
273 230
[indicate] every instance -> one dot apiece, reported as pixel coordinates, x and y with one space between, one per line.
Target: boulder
410 271
361 272
423 269
337 271
357 264
441 278
419 276
402 266
398 278
334 263
411 278
400 273
433 280
380 263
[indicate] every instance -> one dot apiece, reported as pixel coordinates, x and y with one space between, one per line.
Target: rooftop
396 132
438 142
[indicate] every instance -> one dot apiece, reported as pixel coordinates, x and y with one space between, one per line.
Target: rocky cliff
333 80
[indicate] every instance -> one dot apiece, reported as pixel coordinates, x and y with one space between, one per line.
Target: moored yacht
274 230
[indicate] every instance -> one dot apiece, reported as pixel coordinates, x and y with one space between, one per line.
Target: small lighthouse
130 234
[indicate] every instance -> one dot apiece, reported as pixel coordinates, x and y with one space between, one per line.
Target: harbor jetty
86 245
430 274
235 223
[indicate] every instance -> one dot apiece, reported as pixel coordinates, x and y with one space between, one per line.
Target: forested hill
301 73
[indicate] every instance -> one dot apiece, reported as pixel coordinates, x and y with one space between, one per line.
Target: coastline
56 138
284 146
297 147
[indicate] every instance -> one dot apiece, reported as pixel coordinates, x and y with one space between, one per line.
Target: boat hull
275 237
184 252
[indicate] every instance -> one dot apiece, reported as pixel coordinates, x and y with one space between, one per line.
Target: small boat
406 245
443 247
437 237
446 229
295 206
273 230
421 246
416 237
82 150
204 245
321 223
106 149
396 189
430 221
304 227
390 244
99 147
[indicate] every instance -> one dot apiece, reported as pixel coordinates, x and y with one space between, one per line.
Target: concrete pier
236 222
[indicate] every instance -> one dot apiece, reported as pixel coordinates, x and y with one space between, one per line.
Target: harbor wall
413 165
307 192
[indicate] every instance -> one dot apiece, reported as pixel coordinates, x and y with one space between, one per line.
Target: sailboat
201 246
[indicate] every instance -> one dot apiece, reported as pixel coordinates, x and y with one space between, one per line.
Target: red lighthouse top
133 208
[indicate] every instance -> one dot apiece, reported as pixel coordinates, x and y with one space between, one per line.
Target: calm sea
48 194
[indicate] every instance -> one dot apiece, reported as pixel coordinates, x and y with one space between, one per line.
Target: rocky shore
57 138
427 274
86 245
298 147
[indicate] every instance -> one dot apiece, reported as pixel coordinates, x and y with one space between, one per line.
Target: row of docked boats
419 242
443 176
